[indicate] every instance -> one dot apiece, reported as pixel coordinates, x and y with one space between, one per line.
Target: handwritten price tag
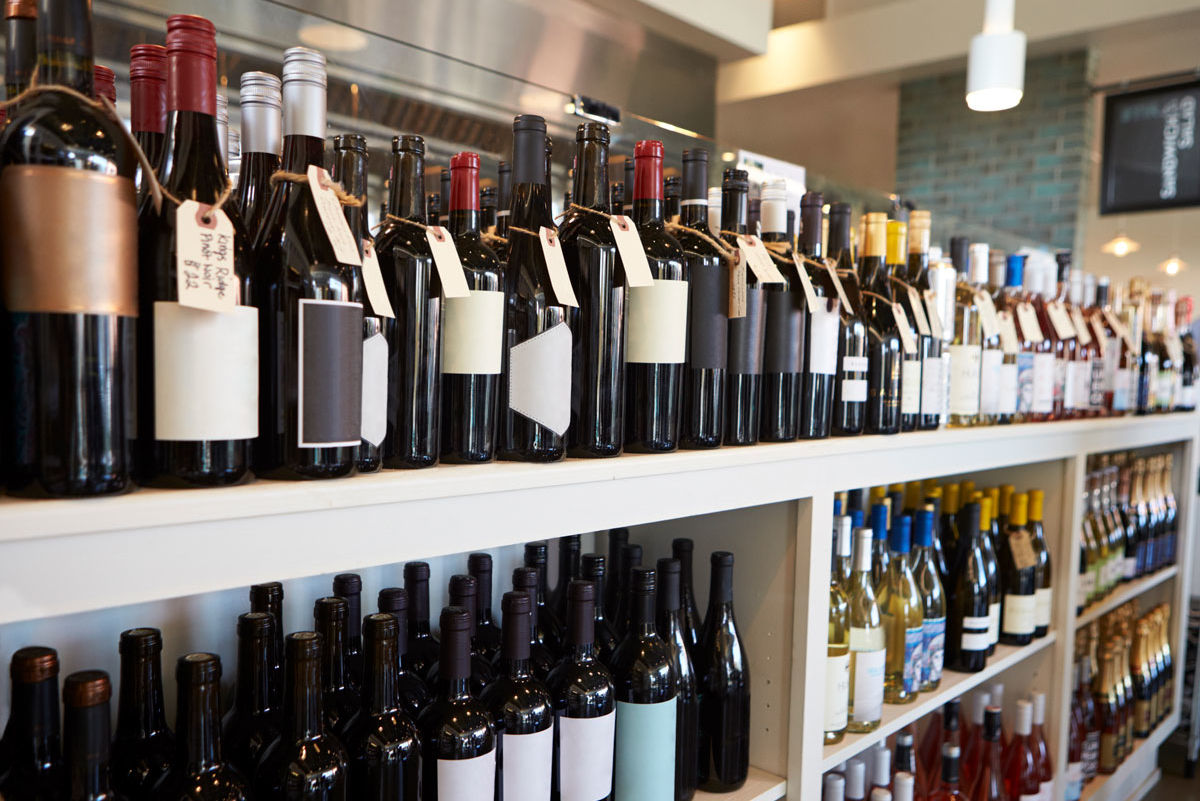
1081 327
810 294
556 266
1008 332
759 260
1060 320
1031 329
448 264
204 275
934 316
737 286
329 209
907 340
373 281
633 255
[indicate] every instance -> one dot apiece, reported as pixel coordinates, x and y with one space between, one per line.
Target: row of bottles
1130 524
380 706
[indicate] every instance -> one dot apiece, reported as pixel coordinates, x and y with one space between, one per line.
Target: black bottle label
783 351
329 406
746 336
708 285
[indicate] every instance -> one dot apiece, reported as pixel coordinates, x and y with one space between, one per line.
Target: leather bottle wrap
69 241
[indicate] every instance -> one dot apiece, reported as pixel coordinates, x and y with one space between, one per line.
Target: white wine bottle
903 620
867 646
933 601
837 660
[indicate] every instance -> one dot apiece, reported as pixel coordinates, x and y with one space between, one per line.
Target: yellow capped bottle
1044 595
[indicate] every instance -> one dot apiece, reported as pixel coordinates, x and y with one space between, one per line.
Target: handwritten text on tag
633 256
373 280
445 259
737 286
556 266
204 274
329 209
759 260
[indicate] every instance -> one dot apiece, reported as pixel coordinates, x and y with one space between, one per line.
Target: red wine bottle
348 587
473 329
413 336
537 369
463 592
254 722
147 104
618 538
723 676
197 367
414 692
743 384
784 341
443 217
458 739
143 747
885 355
31 759
595 571
21 46
382 744
70 291
525 579
584 706
268 598
86 731
261 104
548 627
306 763
672 198
487 633
631 558
656 337
683 548
568 571
598 278
423 648
487 208
850 396
822 324
200 772
703 417
521 711
340 701
503 203
669 621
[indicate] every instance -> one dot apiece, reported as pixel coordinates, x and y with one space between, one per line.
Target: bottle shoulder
55 129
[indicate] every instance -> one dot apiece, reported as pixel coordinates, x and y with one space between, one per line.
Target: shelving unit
1124 593
1138 773
760 786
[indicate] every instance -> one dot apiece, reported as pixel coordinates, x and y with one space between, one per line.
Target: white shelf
1131 778
759 786
954 684
1125 592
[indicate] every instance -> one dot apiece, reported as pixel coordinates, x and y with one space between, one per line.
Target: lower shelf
759 786
1125 592
1127 781
897 716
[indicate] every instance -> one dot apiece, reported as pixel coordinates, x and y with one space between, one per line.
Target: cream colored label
759 260
446 261
1020 613
1008 333
333 221
473 333
932 313
914 301
907 340
1081 329
910 386
1060 320
987 314
657 323
1031 329
837 691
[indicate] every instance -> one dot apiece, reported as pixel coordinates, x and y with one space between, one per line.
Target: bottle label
204 253
1024 383
525 762
473 333
932 384
461 779
966 363
854 390
993 623
1073 395
1122 387
1060 380
1141 716
934 650
377 295
1008 389
1087 586
1108 752
656 323
1130 567
1043 603
1043 383
539 378
1020 614
1030 796
824 325
708 337
374 388
837 691
1074 787
746 336
205 373
1046 790
910 386
866 676
1091 754
329 406
989 381
785 331
585 757
644 760
914 657
976 634
1095 385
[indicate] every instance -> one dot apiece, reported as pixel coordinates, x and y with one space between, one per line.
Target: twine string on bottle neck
344 197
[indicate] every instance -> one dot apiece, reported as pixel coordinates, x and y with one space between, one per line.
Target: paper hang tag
987 314
918 310
1021 544
373 281
1101 341
329 209
1060 320
1118 326
737 286
932 313
556 266
1031 329
445 259
837 285
204 251
760 260
906 335
1008 332
810 294
633 255
1080 326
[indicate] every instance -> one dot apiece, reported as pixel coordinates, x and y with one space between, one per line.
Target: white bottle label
993 623
1087 585
372 273
656 323
1008 389
1043 383
989 381
1122 390
1130 567
1046 790
205 373
556 267
910 386
644 761
1074 788
837 691
1044 596
1074 395
585 757
932 381
976 633
966 362
1020 613
855 364
539 380
374 388
526 760
867 654
824 326
473 333
466 779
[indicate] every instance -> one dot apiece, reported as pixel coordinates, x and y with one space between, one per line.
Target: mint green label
644 761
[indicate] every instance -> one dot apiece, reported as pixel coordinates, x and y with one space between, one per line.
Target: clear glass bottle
966 352
992 355
837 654
868 647
900 603
933 601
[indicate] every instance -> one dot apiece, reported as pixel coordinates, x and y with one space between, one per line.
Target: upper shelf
181 542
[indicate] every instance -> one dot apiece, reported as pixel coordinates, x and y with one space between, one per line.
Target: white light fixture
1173 265
332 37
996 65
1121 246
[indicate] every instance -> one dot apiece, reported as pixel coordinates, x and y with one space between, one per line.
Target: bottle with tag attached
851 388
743 388
1031 329
995 395
309 295
822 324
784 342
1119 357
1044 568
989 533
1097 398
933 601
1056 321
702 423
933 377
900 602
868 643
916 346
1163 339
1017 352
598 324
1189 366
538 350
837 654
261 105
966 344
886 353
1018 574
1079 369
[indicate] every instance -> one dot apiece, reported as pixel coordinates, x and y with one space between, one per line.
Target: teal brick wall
1021 170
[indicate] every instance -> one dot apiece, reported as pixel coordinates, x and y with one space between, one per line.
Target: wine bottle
261 104
1020 767
382 744
1091 724
617 539
644 759
584 706
568 571
631 557
1073 788
630 173
657 325
823 324
348 587
86 720
462 593
1043 765
548 626
595 571
70 296
31 765
885 353
21 53
933 602
856 779
340 701
837 657
444 183
669 623
1018 574
997 397
703 421
966 344
254 722
881 769
504 187
743 383
268 598
989 537
143 746
414 692
306 757
868 643
915 346
147 83
423 648
880 556
948 789
310 307
1044 570
537 363
487 209
521 711
850 396
672 198
525 579
989 781
901 606
487 633
933 356
904 764
968 619
784 340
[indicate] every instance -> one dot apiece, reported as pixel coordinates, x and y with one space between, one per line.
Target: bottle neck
140 714
601 582
839 238
87 751
641 614
455 665
418 605
380 690
333 645
300 152
407 199
65 54
33 725
733 210
720 590
198 727
350 170
254 676
590 187
303 699
193 168
774 221
464 201
811 223
648 211
148 104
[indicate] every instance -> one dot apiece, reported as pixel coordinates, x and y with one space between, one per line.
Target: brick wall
1021 170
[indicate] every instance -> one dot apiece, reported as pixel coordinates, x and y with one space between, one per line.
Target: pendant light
996 65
